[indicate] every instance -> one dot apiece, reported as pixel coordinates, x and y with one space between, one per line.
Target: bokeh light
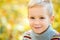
13 18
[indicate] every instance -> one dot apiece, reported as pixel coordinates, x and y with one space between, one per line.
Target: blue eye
32 18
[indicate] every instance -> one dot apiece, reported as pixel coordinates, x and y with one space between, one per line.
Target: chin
37 32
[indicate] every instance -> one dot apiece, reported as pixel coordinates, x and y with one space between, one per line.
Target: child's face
39 19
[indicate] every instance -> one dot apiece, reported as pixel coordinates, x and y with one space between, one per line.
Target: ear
52 19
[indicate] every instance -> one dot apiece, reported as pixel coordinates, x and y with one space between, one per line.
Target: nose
37 22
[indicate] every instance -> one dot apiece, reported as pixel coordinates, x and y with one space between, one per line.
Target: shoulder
56 32
26 35
57 36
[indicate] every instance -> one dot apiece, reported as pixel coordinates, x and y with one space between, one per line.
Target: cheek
45 22
30 22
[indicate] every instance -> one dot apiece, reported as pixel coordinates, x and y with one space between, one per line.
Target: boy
40 18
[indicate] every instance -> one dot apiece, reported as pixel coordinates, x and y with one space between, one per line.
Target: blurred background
13 18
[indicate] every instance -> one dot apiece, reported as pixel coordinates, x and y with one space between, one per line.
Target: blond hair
46 4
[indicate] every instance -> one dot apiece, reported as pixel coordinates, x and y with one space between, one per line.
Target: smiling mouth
37 27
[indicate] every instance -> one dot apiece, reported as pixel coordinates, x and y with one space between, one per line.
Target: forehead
37 10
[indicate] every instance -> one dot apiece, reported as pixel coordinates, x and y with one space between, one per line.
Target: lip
37 27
